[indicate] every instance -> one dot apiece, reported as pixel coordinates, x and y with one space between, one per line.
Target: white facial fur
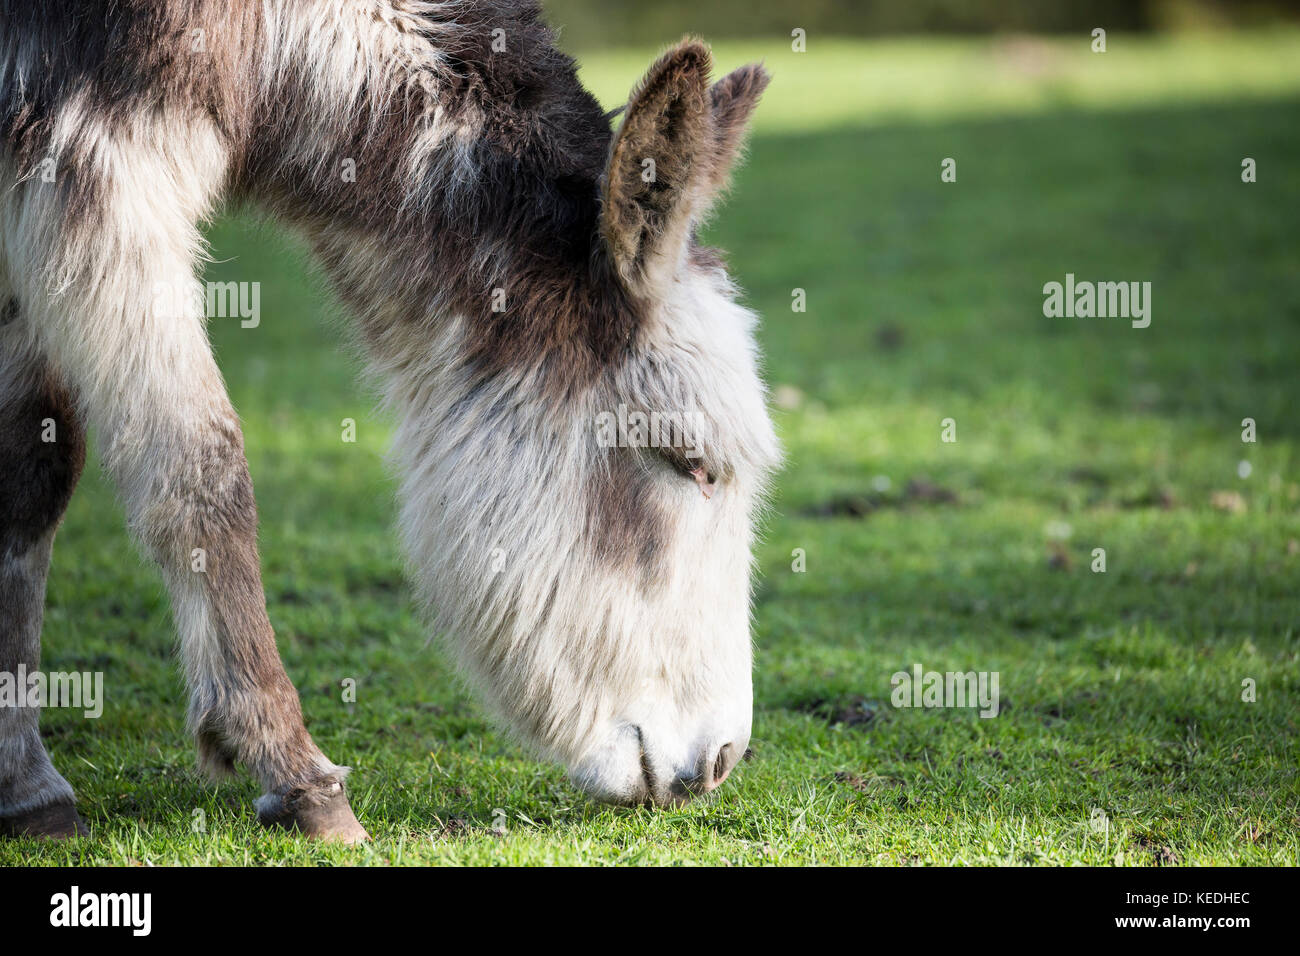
573 650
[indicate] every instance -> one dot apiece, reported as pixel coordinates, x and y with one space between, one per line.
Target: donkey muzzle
634 771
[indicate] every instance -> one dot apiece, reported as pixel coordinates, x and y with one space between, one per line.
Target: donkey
516 270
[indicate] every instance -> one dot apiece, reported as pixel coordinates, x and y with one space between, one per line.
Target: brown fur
625 524
36 481
248 710
527 225
539 155
734 98
125 55
667 121
37 478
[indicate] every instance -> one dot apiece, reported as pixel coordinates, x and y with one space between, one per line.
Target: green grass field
1123 736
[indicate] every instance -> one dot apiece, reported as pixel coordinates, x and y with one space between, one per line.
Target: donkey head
605 611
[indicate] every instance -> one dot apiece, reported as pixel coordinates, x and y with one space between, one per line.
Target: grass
1123 737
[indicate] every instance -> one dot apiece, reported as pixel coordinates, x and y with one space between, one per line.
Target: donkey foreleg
176 449
42 449
143 371
177 452
102 259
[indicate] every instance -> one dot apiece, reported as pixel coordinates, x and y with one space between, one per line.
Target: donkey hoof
318 809
56 821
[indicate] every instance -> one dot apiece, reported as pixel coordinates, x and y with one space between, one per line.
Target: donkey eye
703 476
683 464
705 479
695 469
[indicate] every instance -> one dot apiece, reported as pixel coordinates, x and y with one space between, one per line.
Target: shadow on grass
919 288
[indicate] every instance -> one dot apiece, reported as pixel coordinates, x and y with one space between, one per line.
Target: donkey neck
454 171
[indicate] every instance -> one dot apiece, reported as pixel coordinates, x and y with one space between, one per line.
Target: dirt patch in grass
461 828
855 711
1085 475
1162 497
918 491
1161 853
867 782
889 337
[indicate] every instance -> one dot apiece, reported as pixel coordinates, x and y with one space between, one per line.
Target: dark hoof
318 809
58 821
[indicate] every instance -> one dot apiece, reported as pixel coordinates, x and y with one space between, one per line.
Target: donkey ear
658 166
732 101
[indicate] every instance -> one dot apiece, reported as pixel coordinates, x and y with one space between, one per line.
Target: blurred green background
598 24
1123 736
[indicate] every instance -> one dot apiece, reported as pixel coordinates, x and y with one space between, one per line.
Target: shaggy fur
513 275
36 481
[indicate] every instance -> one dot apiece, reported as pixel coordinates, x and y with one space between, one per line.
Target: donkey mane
489 166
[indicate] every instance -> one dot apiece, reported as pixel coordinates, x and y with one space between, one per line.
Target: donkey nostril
722 764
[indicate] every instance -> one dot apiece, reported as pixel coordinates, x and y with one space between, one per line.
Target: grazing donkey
517 273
